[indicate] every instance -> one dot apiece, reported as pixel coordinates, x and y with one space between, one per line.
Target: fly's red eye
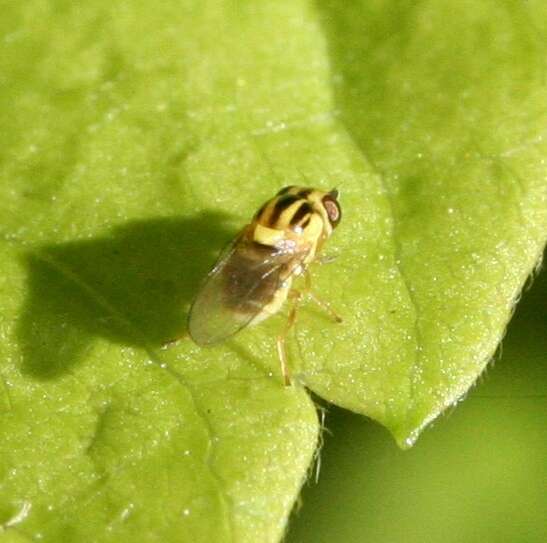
333 210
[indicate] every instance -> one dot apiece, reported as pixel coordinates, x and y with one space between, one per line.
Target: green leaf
448 106
137 139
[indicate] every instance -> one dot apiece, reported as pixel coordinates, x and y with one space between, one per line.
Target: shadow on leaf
132 287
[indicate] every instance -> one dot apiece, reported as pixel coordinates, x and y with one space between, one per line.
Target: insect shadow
132 286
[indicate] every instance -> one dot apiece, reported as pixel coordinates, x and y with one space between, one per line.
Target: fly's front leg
281 339
321 303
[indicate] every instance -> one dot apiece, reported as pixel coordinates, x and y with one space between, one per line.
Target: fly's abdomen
250 280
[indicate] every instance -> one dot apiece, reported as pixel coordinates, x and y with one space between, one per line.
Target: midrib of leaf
405 280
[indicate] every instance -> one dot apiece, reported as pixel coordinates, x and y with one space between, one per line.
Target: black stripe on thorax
261 210
304 193
283 203
301 212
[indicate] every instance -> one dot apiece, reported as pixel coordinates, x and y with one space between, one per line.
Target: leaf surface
138 138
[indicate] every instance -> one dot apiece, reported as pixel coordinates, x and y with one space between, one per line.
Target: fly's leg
326 307
281 339
321 303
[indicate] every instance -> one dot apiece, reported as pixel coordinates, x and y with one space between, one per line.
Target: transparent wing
243 281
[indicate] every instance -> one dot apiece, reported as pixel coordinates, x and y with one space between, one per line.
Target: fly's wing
243 281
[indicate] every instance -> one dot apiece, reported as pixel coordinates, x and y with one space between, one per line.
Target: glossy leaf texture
138 138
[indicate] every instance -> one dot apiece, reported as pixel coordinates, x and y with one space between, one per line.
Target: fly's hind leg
281 339
326 307
321 303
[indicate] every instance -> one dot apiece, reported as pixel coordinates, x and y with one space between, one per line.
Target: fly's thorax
267 236
282 245
303 214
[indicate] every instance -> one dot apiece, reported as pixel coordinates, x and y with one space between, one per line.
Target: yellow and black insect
253 276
